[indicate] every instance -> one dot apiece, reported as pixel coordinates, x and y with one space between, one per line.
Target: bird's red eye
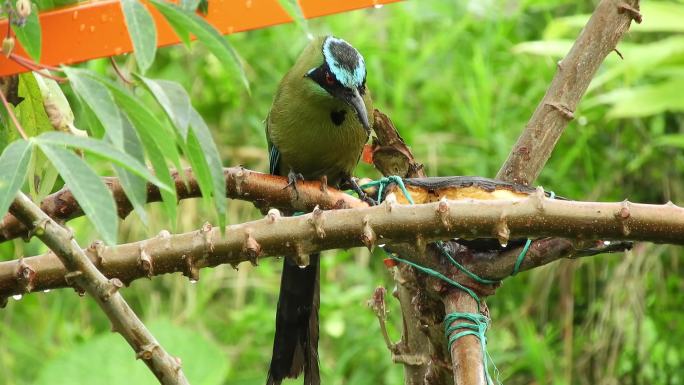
329 79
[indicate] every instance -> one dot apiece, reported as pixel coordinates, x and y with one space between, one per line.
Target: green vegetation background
459 81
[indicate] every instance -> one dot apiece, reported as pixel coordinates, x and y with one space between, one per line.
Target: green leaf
88 189
174 100
295 12
103 358
14 165
670 140
29 35
159 143
100 100
142 31
199 165
189 5
213 159
101 149
184 22
133 185
646 100
661 16
31 111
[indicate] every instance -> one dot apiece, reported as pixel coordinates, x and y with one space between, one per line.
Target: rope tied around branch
523 252
477 322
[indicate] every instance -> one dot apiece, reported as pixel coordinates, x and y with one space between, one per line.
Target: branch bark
85 276
609 22
392 224
263 189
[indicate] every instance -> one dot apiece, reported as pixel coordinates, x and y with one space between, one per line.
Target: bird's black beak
355 100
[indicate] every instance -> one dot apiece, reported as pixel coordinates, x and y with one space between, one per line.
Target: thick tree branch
84 275
609 22
263 189
388 223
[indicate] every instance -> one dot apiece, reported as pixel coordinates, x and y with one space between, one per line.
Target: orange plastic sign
97 29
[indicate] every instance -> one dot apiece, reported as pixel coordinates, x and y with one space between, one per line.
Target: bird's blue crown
344 61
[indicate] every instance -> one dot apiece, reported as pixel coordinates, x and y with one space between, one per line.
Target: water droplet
193 281
75 15
118 50
92 28
46 291
81 27
377 6
606 243
504 244
17 297
104 18
382 245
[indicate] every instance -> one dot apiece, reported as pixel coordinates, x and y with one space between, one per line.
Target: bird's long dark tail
295 346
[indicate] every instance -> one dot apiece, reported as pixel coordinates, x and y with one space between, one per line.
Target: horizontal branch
389 223
264 190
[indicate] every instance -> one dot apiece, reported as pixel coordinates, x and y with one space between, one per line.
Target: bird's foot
292 178
362 194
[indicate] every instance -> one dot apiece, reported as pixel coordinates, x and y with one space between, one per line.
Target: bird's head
342 75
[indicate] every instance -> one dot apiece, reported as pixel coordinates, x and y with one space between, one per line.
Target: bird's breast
327 140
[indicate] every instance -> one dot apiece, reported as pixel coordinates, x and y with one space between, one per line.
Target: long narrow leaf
100 101
201 131
184 21
200 168
133 185
104 150
13 168
142 31
88 189
174 100
158 142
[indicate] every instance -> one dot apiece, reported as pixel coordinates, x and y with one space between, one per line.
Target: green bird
317 126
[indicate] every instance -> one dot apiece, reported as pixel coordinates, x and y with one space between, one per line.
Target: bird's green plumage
299 124
317 126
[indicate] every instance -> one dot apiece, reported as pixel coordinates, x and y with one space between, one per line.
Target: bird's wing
273 153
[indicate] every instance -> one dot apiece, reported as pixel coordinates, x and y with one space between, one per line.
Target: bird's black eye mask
326 79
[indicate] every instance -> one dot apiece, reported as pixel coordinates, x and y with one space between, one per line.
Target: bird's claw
362 194
292 178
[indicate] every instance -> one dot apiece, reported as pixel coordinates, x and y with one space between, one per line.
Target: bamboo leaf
142 31
184 22
88 189
14 162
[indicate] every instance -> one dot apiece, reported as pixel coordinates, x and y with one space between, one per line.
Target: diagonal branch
609 22
600 36
84 275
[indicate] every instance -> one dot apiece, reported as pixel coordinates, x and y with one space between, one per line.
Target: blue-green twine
480 323
523 252
476 326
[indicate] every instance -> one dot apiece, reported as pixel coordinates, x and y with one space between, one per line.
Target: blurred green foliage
459 81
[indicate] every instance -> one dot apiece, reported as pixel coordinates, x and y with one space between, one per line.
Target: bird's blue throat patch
345 62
